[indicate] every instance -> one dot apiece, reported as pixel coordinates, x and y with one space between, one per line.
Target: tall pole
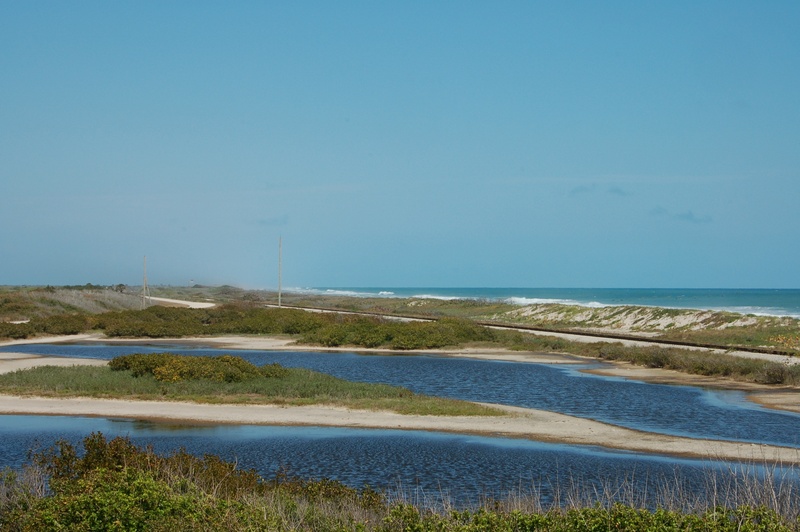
145 289
280 268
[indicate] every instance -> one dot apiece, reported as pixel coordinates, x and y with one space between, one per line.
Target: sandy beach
531 424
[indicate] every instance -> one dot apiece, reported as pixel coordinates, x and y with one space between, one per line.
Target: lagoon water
431 465
426 467
678 410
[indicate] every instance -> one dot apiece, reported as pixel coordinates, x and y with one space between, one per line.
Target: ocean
763 302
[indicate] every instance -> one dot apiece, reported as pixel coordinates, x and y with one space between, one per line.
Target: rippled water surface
681 410
425 466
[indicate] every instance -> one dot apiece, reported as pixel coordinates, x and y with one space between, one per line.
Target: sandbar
526 423
15 361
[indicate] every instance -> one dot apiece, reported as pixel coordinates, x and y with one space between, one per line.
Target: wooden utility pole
145 289
280 267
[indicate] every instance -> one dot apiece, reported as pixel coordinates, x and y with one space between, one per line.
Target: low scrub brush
168 367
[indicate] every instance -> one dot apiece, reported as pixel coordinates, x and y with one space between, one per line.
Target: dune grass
297 387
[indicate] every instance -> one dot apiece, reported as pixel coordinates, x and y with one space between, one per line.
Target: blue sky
532 144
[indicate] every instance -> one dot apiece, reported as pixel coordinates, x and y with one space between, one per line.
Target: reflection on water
680 410
425 465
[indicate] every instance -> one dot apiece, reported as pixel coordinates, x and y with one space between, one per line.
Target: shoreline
536 425
533 424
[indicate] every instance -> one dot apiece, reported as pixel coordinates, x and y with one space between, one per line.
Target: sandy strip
182 303
521 423
72 338
780 400
15 361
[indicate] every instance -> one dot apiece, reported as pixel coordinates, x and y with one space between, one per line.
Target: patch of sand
15 361
182 303
780 400
72 338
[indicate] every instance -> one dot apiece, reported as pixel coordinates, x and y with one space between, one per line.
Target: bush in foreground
115 485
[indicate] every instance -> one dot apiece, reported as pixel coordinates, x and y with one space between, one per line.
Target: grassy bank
272 385
114 485
689 361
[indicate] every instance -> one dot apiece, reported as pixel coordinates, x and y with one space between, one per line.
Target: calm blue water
679 410
425 467
771 302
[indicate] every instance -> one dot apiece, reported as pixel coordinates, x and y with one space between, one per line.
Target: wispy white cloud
595 189
582 190
274 221
690 216
686 216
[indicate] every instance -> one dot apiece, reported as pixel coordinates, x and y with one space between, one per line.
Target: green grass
299 387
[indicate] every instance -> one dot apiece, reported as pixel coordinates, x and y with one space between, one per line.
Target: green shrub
118 486
174 370
274 371
63 324
773 374
16 331
168 367
106 500
139 364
